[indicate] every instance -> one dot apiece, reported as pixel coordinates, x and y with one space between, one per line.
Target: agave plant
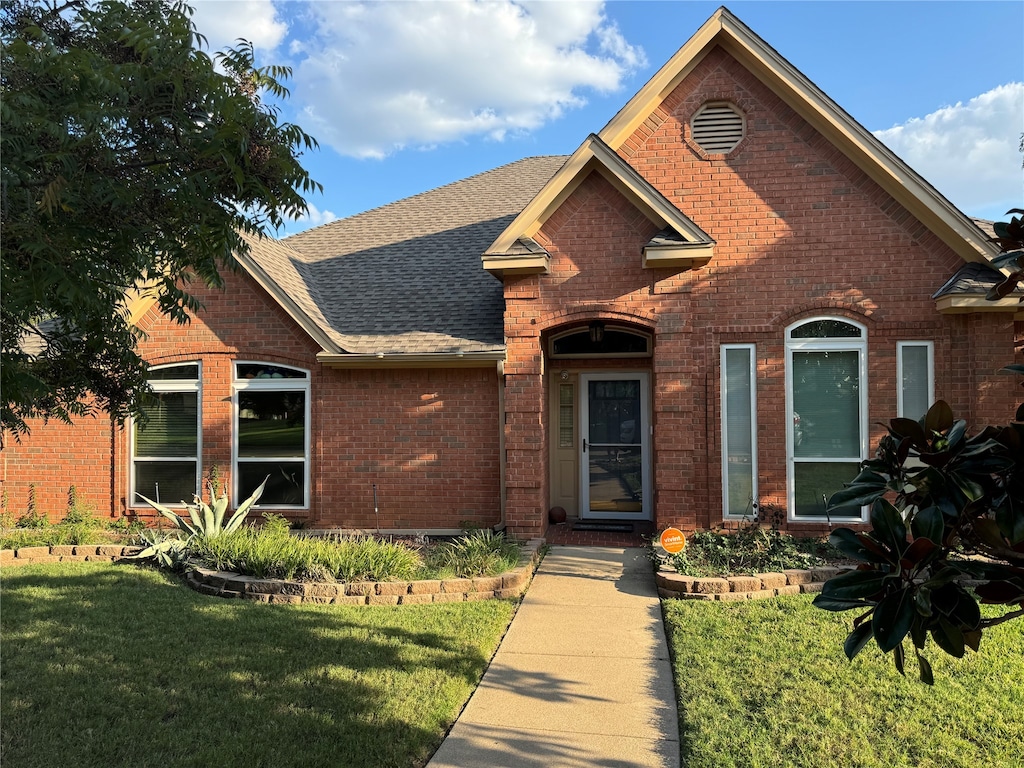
206 520
166 550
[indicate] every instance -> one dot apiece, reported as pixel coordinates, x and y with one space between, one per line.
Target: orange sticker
673 541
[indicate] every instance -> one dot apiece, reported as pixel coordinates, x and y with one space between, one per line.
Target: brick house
713 301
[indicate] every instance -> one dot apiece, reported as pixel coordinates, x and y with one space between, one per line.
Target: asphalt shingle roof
407 277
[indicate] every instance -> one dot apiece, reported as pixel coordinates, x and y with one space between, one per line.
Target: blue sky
407 96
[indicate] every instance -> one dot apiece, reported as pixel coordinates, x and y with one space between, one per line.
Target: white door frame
644 431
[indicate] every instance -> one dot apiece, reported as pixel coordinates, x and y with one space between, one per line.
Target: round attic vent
718 128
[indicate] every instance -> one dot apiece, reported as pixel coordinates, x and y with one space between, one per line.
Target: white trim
900 346
646 438
831 344
170 385
752 348
271 385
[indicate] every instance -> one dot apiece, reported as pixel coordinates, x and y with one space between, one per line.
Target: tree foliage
952 535
131 160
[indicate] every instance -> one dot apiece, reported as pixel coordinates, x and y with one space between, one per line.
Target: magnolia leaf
948 637
929 524
898 657
925 669
854 585
893 617
857 639
888 525
912 429
939 417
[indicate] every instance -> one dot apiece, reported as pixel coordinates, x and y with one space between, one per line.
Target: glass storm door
615 445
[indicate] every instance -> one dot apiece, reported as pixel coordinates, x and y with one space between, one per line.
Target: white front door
615 444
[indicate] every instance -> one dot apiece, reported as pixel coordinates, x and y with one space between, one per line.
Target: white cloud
225 21
313 218
969 152
377 77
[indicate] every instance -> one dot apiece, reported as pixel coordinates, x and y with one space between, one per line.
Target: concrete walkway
582 678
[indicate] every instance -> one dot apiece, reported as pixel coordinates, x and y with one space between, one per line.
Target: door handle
584 445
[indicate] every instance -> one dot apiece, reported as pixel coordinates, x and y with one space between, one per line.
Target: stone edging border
63 553
673 585
233 585
227 584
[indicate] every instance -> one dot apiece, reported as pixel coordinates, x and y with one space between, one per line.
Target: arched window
271 434
166 446
826 406
599 340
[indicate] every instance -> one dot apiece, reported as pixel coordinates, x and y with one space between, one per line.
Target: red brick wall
800 232
54 457
427 438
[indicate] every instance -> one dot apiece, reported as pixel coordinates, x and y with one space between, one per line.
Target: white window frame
171 385
270 385
900 346
725 432
829 344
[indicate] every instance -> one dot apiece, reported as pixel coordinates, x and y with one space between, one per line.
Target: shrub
480 553
753 547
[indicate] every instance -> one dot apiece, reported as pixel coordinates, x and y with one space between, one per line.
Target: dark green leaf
1001 592
918 553
948 637
1010 520
852 545
912 429
925 669
929 524
856 495
888 525
854 585
837 604
972 639
939 417
897 657
857 639
892 619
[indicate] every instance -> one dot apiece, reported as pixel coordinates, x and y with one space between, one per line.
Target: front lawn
115 665
765 684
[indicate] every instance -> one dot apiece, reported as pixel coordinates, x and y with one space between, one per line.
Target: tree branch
1002 619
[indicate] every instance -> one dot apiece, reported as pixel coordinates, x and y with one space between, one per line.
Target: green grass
109 666
766 684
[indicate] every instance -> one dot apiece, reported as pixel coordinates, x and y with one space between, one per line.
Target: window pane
168 482
614 409
826 329
566 410
174 373
613 343
815 480
258 371
285 486
915 380
271 423
172 427
738 440
826 404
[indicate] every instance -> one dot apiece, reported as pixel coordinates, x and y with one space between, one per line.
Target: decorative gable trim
723 29
684 244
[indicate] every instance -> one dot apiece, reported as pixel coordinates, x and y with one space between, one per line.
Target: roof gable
724 30
680 244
